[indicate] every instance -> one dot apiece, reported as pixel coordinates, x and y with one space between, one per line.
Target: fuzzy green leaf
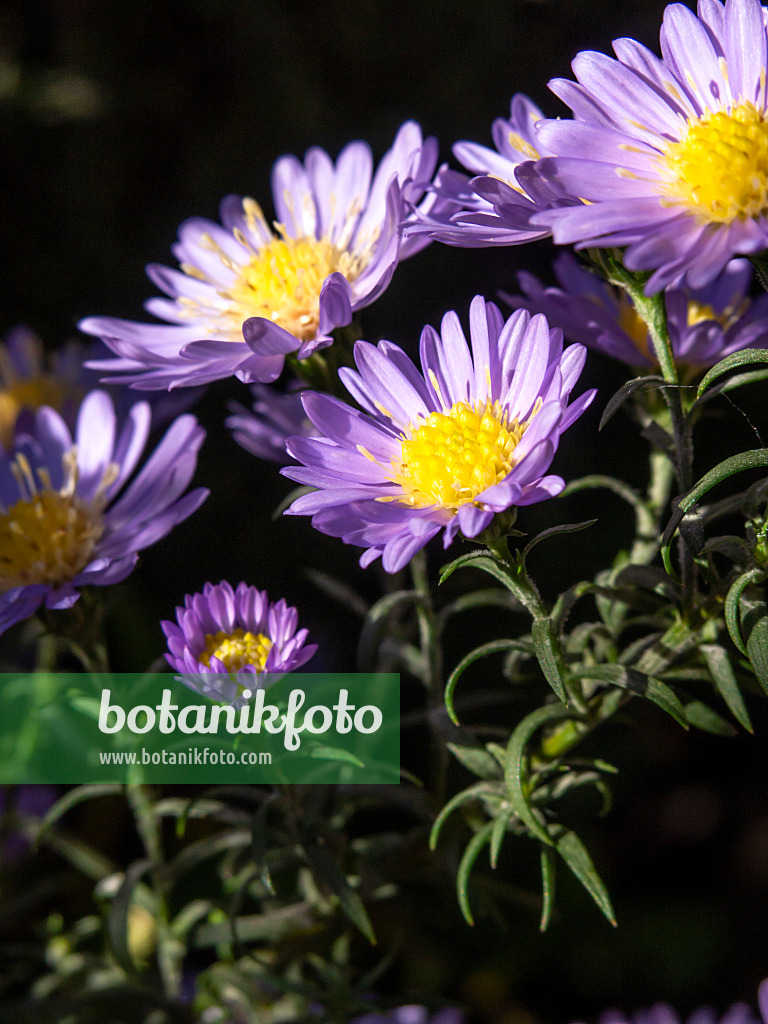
626 391
375 621
747 355
472 793
729 467
719 665
638 682
474 846
548 872
700 716
326 870
733 601
547 645
575 855
555 531
515 771
479 652
754 620
477 760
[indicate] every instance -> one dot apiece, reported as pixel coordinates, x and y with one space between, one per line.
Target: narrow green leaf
626 391
117 920
324 753
326 869
77 796
643 685
477 760
729 467
548 872
703 717
719 665
515 770
499 831
610 483
547 645
747 355
474 846
472 793
488 597
575 855
505 574
479 652
754 620
555 531
733 601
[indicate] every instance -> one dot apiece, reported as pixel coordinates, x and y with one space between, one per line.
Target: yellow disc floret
48 536
280 280
237 649
720 168
451 457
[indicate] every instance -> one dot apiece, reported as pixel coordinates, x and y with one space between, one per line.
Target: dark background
120 119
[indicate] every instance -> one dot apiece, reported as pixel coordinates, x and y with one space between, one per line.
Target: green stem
430 639
648 514
169 950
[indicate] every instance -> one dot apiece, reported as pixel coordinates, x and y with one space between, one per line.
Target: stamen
237 650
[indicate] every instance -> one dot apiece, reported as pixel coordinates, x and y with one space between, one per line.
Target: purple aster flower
67 518
223 638
29 380
496 205
705 325
662 1013
671 155
245 295
275 417
445 450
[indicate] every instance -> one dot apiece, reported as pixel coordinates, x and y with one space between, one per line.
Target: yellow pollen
518 142
237 649
720 168
48 536
451 457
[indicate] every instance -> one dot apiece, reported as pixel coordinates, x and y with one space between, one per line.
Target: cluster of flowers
665 158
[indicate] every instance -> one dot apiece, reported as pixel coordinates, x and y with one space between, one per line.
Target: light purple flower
29 379
663 1013
671 155
495 206
445 449
275 417
245 296
223 638
67 518
705 325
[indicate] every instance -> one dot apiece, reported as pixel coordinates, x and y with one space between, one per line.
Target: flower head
66 517
670 155
224 637
705 325
275 416
28 380
495 206
445 450
246 295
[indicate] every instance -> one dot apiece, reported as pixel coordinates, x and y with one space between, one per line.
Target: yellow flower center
48 536
720 168
281 281
453 456
237 649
